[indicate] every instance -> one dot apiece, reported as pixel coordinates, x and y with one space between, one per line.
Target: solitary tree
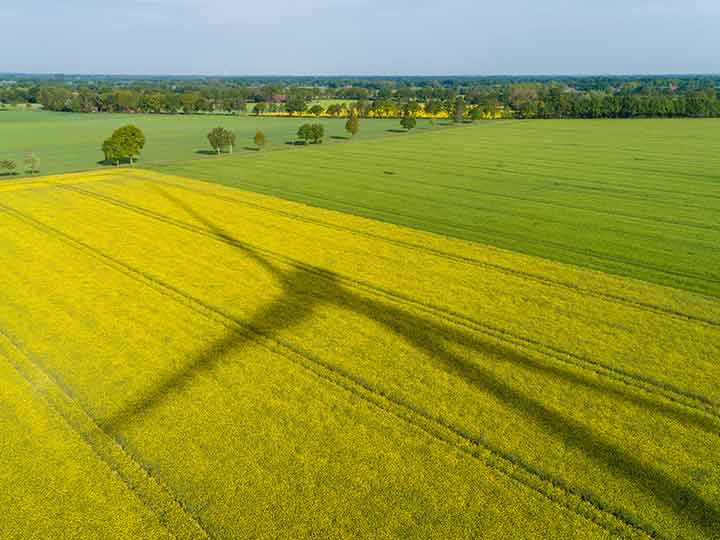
131 140
408 122
32 164
311 132
304 132
8 165
260 140
112 151
352 125
221 139
317 132
215 137
316 110
125 143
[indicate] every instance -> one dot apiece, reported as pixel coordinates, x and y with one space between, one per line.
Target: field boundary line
511 237
665 390
472 207
642 306
554 489
606 261
138 479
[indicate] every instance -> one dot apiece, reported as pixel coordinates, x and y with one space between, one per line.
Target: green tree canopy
125 143
311 132
296 103
336 109
31 163
408 122
317 132
316 110
8 165
259 108
412 108
190 101
433 107
352 125
221 139
112 151
304 132
459 110
260 139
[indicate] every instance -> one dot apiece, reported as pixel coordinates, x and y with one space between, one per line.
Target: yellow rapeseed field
186 359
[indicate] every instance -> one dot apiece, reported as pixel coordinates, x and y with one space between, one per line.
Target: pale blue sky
326 37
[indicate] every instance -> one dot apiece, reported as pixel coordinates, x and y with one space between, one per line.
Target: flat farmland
639 198
221 363
65 142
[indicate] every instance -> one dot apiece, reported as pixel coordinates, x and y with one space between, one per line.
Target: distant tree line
456 98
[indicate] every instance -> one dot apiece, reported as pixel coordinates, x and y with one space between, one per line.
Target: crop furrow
477 230
665 390
149 490
554 489
643 306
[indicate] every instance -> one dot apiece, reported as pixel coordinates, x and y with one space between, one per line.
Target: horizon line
357 76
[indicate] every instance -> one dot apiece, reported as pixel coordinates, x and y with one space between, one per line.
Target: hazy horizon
360 75
362 38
